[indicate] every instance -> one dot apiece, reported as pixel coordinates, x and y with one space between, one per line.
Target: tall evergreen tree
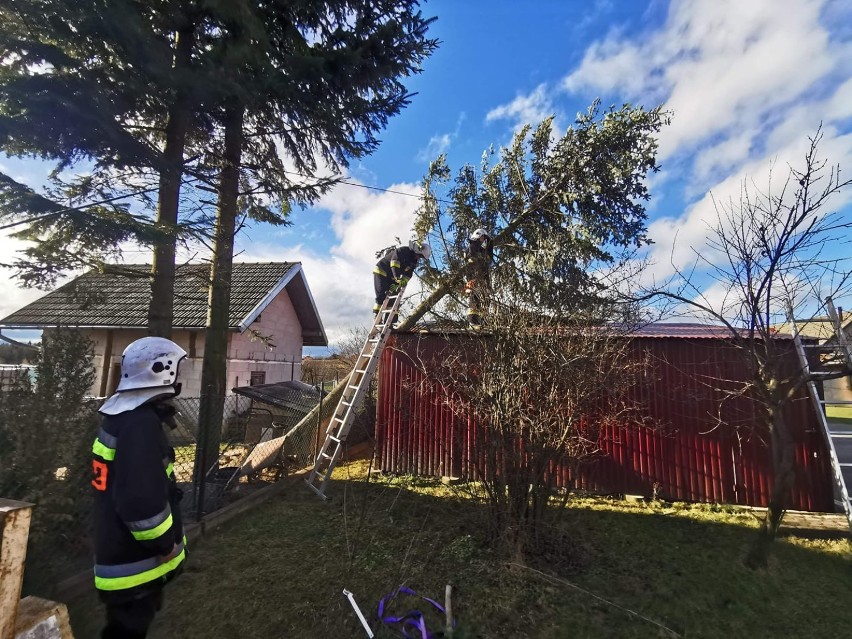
303 85
555 207
108 86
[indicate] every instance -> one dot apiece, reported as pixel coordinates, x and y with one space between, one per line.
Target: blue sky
747 82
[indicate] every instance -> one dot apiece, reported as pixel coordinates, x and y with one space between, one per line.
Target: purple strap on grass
412 618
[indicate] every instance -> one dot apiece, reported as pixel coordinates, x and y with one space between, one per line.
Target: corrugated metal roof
683 330
119 298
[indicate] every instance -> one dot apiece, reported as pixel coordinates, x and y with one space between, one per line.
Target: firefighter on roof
479 253
396 267
138 533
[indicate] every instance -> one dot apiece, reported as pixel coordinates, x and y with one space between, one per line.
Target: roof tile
121 296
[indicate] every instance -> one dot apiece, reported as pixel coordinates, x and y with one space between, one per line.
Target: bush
46 433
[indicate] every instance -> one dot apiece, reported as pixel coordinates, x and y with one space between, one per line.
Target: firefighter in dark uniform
479 254
396 267
138 532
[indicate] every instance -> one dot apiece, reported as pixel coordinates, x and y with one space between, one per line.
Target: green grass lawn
839 413
279 571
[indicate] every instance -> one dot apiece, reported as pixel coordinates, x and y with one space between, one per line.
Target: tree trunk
161 306
781 441
213 371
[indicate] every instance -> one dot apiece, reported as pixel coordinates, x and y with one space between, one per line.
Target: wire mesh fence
50 467
260 442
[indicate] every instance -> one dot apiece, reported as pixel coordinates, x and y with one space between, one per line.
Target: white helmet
150 362
478 235
421 249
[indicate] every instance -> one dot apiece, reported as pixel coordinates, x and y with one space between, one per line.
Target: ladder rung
356 387
361 370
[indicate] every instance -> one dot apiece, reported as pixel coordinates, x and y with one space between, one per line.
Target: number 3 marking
100 469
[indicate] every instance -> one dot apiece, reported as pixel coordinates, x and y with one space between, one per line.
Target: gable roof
119 298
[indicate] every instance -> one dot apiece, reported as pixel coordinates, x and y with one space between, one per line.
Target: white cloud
362 222
720 157
722 67
441 143
531 108
679 238
437 144
748 83
12 295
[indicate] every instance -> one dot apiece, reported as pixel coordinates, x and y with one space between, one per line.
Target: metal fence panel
704 445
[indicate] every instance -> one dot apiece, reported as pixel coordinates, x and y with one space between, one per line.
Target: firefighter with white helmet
396 267
479 252
138 531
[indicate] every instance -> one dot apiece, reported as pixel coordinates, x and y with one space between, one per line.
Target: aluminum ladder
838 435
353 394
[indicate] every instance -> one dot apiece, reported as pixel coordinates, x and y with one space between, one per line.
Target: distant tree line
14 354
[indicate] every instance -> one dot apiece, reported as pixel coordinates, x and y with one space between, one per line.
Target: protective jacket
137 519
397 263
477 275
478 259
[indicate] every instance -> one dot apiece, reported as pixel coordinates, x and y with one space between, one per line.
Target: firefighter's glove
402 282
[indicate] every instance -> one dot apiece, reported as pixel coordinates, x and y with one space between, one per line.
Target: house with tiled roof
272 317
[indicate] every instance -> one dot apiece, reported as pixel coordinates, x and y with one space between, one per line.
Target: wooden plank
15 517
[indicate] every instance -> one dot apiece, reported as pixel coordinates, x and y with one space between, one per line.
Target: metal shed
687 456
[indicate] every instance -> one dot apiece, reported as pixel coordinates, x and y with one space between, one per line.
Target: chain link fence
50 465
261 441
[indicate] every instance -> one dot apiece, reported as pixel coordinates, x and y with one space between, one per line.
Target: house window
257 377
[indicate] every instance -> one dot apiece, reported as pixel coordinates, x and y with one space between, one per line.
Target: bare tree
772 253
540 381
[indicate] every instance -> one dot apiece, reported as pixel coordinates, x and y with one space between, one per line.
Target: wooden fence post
15 519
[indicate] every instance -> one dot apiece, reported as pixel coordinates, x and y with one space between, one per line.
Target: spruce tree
308 85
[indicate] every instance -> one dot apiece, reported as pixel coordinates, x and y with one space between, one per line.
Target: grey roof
668 330
687 330
118 298
682 330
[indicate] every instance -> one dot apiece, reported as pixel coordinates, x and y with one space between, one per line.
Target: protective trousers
131 619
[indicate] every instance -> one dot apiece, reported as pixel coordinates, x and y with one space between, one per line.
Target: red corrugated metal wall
685 456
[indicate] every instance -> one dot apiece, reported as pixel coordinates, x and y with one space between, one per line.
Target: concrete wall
272 344
838 390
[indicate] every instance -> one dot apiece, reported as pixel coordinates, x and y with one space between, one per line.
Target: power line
187 182
83 207
366 186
